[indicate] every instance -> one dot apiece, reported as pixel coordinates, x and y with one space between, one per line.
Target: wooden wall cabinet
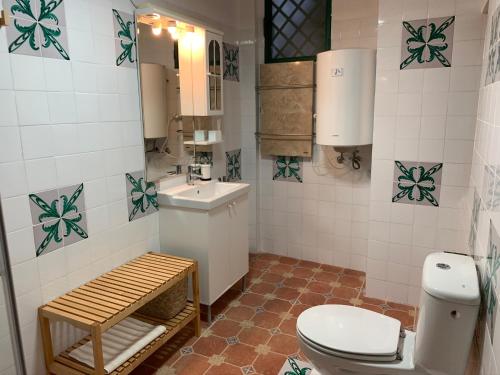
201 73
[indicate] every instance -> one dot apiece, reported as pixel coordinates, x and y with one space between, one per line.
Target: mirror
177 61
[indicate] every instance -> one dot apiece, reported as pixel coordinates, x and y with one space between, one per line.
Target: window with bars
296 29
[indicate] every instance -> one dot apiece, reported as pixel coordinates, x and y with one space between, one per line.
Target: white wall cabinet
217 238
201 73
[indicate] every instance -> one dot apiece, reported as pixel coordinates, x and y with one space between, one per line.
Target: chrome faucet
191 175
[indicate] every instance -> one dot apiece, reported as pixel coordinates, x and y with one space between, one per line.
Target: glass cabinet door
214 75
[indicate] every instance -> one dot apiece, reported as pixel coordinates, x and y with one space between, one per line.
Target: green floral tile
231 62
293 366
490 279
287 168
58 218
233 165
476 207
493 65
427 43
125 40
205 157
142 198
417 183
38 28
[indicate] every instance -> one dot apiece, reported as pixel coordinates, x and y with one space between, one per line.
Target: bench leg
196 299
97 348
48 350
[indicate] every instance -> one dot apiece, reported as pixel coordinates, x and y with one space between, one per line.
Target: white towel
119 343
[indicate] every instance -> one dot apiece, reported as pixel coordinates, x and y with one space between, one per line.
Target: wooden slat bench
101 303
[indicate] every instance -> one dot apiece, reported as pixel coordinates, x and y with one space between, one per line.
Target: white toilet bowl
340 339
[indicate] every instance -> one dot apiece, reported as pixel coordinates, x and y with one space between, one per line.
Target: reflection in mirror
181 92
160 96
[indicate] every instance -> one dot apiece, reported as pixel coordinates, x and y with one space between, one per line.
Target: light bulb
156 28
172 29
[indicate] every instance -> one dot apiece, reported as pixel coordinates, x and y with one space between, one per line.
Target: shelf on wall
202 143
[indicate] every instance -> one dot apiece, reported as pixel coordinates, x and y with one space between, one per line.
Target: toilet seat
350 332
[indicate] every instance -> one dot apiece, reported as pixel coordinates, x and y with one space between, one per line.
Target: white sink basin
202 196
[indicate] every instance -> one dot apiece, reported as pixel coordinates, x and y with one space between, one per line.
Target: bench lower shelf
64 364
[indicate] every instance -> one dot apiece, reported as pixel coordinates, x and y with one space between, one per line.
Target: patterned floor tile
226 328
254 336
254 331
240 355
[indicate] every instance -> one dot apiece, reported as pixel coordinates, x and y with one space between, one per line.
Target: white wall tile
10 144
62 107
13 179
32 108
8 108
58 75
41 174
27 72
37 141
16 213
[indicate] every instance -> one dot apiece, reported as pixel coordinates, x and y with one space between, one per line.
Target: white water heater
345 96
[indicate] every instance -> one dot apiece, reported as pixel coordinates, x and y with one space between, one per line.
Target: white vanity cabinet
201 73
216 237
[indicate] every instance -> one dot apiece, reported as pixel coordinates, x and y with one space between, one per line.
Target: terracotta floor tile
225 328
302 272
337 301
308 264
260 264
284 344
351 281
319 287
277 306
224 369
257 342
347 271
312 299
326 277
287 293
272 278
262 288
209 346
252 299
405 318
269 257
253 274
266 320
288 260
298 309
289 326
400 306
345 292
295 282
372 301
240 313
191 364
269 364
375 308
254 336
240 354
280 268
332 269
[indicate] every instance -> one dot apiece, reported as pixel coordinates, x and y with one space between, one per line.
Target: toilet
339 339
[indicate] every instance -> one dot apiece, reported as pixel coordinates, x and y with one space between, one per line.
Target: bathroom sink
203 196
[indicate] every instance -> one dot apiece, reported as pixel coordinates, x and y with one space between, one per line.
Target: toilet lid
350 329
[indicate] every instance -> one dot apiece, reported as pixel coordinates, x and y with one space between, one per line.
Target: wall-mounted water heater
345 87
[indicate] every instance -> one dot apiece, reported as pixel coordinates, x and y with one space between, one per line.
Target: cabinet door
238 252
219 249
214 73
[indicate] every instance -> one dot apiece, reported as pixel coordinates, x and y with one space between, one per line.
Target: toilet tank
449 305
